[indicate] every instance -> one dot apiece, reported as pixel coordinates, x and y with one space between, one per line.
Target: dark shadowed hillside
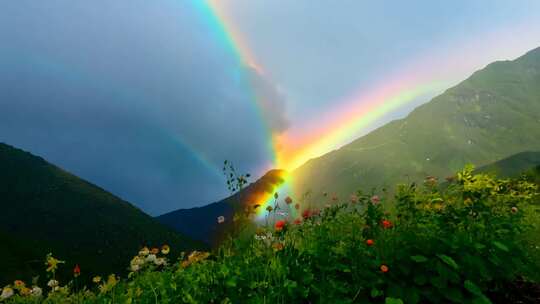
45 209
201 223
492 115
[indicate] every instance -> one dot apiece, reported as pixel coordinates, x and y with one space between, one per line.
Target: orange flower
384 268
76 270
278 246
280 225
387 224
288 200
18 284
370 242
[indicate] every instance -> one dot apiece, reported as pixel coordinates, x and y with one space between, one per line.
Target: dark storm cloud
135 96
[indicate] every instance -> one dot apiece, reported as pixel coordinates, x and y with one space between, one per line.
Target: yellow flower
195 257
165 249
25 291
96 279
52 263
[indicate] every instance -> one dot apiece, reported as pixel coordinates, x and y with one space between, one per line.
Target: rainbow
290 150
344 126
359 111
215 14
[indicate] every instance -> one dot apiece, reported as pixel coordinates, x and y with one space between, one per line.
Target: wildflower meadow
464 240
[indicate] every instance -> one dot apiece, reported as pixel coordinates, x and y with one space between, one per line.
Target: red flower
386 224
384 268
76 271
306 214
280 225
370 242
297 221
288 200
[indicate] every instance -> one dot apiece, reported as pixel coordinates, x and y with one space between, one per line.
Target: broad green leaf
375 292
393 301
419 258
473 288
501 246
448 260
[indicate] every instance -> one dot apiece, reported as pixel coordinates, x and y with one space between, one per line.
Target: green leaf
375 292
473 288
393 301
479 246
448 260
419 258
501 246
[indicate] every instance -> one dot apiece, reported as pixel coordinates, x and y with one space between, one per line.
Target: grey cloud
271 99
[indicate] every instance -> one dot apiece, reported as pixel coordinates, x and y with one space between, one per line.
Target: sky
147 98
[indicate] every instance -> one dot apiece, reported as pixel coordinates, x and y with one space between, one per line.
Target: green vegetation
492 115
45 209
465 242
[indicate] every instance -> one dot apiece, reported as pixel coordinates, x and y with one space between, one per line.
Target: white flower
7 292
144 251
160 261
36 292
151 258
135 267
52 283
221 219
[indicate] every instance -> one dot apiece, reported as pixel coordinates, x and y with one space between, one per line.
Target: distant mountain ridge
45 209
492 115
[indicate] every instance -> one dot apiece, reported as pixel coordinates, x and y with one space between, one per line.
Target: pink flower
375 199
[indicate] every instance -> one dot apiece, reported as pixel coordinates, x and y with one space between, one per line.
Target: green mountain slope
493 114
45 209
515 165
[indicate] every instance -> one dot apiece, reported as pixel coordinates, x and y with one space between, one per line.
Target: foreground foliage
459 242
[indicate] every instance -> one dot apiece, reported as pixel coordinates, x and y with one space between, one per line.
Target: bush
458 242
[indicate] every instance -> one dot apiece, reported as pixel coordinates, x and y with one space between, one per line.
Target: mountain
515 165
492 115
46 209
201 223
